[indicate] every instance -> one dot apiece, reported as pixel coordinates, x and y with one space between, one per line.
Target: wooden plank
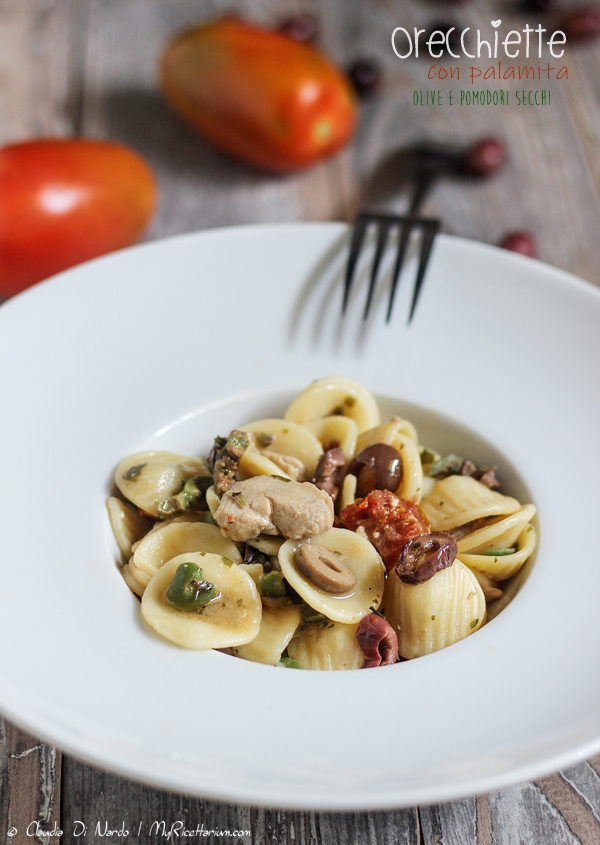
450 824
584 102
30 788
106 802
526 814
37 52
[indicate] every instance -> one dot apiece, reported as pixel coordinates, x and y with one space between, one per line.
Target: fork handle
425 181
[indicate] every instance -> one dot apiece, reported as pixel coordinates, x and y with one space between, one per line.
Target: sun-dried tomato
389 522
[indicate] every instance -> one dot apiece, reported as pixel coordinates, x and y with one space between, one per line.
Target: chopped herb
289 663
350 401
263 439
474 622
240 602
133 472
285 431
335 551
190 498
225 560
447 465
311 617
441 504
500 552
338 411
433 617
281 477
239 499
428 457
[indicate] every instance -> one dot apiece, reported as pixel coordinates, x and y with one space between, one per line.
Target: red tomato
65 201
389 522
258 95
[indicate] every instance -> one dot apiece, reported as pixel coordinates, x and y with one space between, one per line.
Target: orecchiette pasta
287 438
328 645
338 396
336 429
323 539
277 627
180 537
459 499
436 613
357 554
232 618
128 525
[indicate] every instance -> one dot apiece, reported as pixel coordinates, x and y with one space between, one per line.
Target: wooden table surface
70 67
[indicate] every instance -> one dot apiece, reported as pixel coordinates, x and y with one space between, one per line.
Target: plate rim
454 791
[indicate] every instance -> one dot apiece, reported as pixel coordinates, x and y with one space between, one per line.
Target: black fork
425 163
384 224
428 163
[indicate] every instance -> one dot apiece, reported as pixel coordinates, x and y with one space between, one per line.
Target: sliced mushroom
325 569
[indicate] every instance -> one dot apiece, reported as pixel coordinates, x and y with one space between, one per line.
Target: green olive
188 499
188 591
272 585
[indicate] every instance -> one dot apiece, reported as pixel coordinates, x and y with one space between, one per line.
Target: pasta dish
325 539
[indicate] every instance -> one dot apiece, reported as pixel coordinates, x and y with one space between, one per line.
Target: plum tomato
258 95
64 201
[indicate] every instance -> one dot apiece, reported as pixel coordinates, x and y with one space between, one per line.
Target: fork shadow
317 311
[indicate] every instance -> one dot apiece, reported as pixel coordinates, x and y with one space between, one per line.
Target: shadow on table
140 118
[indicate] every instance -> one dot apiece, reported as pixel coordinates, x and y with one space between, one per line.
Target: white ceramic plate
177 341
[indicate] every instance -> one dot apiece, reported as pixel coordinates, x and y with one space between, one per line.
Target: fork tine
358 234
383 228
406 227
384 223
430 230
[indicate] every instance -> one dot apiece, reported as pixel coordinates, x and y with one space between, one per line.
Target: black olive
365 76
425 555
537 5
581 24
378 467
522 242
302 27
485 157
